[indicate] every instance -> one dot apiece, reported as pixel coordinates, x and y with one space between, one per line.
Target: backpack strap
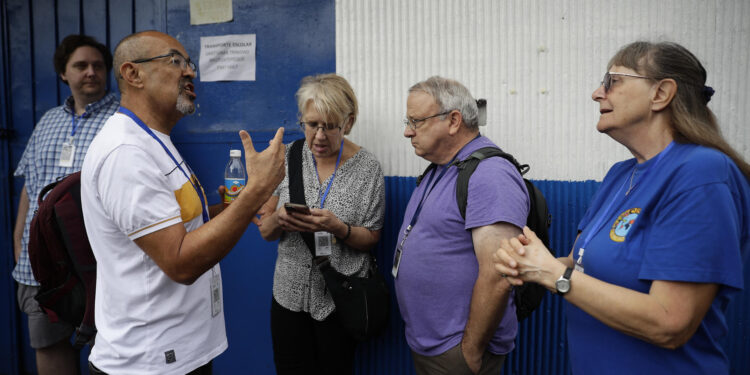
467 167
297 187
429 168
49 188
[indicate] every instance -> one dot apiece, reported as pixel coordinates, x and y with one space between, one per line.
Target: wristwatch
563 283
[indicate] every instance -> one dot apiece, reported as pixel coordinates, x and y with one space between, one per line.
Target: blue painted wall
294 39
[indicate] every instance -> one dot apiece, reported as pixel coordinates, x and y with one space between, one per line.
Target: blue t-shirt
438 267
687 219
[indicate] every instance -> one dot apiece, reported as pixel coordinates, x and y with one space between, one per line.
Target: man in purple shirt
459 316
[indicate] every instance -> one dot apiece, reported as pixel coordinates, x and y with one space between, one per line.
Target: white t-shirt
147 323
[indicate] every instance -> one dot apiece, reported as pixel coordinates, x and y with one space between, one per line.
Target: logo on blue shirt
622 225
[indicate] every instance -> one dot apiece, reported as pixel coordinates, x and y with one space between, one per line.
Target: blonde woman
344 187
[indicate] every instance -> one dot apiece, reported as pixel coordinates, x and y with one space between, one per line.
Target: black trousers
303 345
206 369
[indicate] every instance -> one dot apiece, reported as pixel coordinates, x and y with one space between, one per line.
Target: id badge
399 252
323 243
67 154
215 293
579 263
396 262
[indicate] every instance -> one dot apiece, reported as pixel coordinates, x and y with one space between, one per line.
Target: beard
184 105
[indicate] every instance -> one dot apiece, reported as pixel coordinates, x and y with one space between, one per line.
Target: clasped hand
526 259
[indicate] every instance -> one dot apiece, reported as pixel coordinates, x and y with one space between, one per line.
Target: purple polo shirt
438 265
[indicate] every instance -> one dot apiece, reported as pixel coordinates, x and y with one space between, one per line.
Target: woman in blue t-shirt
661 248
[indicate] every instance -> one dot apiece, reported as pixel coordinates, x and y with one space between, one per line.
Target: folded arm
490 295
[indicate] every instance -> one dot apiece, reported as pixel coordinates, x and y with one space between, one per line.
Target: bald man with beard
158 299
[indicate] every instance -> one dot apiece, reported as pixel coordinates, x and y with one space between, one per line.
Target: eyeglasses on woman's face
312 127
607 80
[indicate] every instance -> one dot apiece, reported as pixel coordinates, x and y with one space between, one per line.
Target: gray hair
449 95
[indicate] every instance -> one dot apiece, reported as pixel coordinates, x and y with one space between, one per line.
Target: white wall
536 62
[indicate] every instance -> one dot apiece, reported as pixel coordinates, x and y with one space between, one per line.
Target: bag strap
297 187
429 168
467 167
51 186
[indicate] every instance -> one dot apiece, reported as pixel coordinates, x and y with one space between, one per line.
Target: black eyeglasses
411 123
177 59
607 81
312 126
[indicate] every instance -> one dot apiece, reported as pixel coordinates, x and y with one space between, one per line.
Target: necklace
632 175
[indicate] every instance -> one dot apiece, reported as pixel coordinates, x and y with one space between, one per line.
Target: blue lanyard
73 120
198 188
328 188
427 192
619 199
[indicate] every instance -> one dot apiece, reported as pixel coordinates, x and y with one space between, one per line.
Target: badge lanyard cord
605 213
328 188
67 154
73 121
426 193
148 131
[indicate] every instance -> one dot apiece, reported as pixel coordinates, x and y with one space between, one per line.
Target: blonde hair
692 121
331 95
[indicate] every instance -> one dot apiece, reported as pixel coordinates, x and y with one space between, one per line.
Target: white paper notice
210 11
227 58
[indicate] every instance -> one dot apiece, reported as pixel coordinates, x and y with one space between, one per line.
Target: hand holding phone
297 208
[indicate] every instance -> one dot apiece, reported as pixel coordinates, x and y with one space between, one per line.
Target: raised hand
266 169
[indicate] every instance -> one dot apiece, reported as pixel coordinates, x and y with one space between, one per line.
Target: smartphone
298 208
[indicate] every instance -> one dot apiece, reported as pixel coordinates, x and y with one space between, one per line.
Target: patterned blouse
357 197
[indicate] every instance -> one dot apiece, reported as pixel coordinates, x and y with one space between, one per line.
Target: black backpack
529 295
61 258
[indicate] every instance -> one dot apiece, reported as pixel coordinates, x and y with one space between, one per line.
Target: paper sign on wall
210 11
227 58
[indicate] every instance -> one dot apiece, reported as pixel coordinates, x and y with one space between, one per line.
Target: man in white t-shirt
158 298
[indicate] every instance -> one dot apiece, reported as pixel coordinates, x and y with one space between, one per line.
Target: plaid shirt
39 162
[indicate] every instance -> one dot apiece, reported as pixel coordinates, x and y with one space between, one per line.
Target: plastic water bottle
234 176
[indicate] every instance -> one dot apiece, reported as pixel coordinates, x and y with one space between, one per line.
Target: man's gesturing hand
266 169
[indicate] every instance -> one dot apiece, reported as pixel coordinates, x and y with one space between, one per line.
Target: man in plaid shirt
55 149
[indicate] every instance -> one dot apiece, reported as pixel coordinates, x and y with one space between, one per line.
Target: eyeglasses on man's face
411 123
607 81
312 126
177 59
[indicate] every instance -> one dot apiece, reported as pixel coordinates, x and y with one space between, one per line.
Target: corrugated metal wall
537 63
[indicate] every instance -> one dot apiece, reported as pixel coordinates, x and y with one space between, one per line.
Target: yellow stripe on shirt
190 204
